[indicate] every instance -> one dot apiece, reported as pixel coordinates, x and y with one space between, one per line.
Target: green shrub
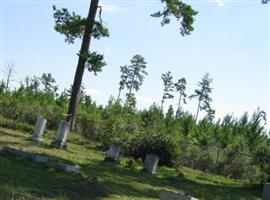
197 157
237 166
163 146
11 124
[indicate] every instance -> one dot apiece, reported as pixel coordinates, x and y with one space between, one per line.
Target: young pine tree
48 82
180 87
168 87
124 75
135 76
204 100
9 72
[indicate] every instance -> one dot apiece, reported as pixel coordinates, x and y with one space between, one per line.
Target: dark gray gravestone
39 129
168 195
39 159
266 191
114 152
62 134
150 163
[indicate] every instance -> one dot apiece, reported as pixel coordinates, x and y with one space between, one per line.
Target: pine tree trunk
119 93
179 103
197 114
162 102
8 79
81 64
130 89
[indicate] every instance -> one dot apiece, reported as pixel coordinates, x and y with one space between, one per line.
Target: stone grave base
168 195
58 144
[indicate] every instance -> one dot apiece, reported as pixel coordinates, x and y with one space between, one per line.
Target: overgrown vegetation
232 147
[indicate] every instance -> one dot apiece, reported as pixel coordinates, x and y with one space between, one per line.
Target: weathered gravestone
266 191
113 152
68 168
150 163
62 134
168 195
39 129
39 159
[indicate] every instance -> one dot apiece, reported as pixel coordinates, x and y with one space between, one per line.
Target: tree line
175 136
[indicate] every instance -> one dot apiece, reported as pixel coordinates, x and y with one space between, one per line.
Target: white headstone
168 195
114 151
69 168
39 129
150 163
266 191
62 134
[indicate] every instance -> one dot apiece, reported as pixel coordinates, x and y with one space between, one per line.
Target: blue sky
230 41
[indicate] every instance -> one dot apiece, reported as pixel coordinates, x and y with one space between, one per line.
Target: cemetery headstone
69 168
62 134
40 159
113 152
168 195
39 129
266 191
150 163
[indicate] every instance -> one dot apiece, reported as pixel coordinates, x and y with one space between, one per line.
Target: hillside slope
22 179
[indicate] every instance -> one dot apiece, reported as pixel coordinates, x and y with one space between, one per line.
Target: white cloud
112 8
93 91
220 3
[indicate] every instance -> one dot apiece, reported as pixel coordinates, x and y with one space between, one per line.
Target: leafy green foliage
99 30
68 24
95 62
180 87
203 95
123 79
47 81
163 146
168 87
242 143
73 26
135 73
181 12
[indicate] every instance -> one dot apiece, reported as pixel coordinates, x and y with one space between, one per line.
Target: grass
22 179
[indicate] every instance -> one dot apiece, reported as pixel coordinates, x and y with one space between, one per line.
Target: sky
230 41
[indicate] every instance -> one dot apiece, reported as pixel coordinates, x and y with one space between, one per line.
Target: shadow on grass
9 133
26 138
99 179
21 176
203 191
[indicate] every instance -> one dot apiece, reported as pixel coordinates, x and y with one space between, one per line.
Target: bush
118 124
89 124
197 157
11 124
237 166
163 146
